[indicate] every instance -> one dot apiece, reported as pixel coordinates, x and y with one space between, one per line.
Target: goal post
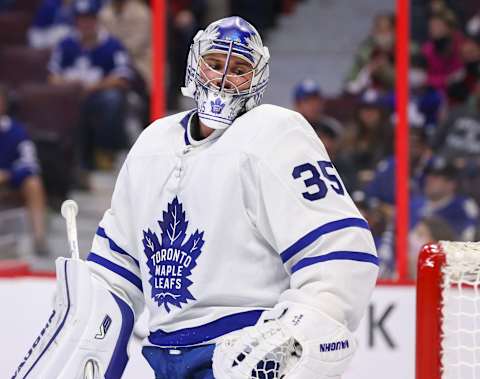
448 311
429 305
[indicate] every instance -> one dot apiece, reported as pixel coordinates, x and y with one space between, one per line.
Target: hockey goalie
232 226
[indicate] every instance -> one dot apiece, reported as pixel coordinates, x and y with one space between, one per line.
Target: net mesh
461 311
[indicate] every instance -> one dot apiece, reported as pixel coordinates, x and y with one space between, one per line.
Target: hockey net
448 311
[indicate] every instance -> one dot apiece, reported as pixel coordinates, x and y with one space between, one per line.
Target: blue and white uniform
208 234
74 62
460 212
17 152
53 21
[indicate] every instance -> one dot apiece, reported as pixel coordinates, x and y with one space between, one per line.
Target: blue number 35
316 186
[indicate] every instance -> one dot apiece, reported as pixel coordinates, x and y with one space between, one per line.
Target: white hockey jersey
208 234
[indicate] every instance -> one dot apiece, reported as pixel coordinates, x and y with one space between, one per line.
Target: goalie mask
227 71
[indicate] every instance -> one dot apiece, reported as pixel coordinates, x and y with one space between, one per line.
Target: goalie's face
228 74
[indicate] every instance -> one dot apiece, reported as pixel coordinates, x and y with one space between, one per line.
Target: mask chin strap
225 70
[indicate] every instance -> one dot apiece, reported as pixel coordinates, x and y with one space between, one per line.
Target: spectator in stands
382 188
442 199
310 103
458 138
425 101
369 139
373 65
101 65
130 22
443 51
185 18
473 25
20 174
421 10
471 59
380 196
52 22
427 230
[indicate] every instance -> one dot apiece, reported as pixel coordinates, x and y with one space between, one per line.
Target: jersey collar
186 123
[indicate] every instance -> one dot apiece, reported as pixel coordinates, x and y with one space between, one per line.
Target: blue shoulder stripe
337 255
113 246
315 234
117 269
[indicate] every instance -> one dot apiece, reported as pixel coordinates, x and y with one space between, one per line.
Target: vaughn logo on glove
171 261
332 346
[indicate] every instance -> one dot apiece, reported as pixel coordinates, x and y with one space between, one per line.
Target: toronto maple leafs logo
171 260
217 106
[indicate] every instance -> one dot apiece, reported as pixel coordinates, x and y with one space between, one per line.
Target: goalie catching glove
87 334
293 341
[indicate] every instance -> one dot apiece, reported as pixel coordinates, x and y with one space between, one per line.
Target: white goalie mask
220 93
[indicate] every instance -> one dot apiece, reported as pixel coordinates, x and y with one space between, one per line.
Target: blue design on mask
217 106
171 260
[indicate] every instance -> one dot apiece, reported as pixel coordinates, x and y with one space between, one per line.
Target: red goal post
429 295
448 311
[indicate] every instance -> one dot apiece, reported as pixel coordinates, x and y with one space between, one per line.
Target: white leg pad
87 334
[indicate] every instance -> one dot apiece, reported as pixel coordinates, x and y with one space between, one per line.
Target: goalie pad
299 343
87 334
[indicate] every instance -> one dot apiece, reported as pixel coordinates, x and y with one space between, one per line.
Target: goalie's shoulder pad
264 127
89 329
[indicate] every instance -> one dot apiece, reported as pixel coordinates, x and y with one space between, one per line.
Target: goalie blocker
87 334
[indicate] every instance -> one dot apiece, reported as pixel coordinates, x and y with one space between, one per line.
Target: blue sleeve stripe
206 332
119 270
113 246
337 255
315 234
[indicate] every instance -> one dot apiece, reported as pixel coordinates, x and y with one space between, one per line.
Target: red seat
20 65
29 6
342 107
51 114
14 26
47 108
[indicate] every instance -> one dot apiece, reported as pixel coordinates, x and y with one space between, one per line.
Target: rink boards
386 335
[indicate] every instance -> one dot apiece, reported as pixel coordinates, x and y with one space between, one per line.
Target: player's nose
226 85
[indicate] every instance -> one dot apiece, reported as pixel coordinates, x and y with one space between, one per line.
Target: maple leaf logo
217 106
171 260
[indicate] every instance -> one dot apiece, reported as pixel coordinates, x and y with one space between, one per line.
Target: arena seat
342 107
49 108
14 26
29 6
22 64
51 116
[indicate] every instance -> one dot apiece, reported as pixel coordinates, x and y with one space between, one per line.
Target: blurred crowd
75 83
444 125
